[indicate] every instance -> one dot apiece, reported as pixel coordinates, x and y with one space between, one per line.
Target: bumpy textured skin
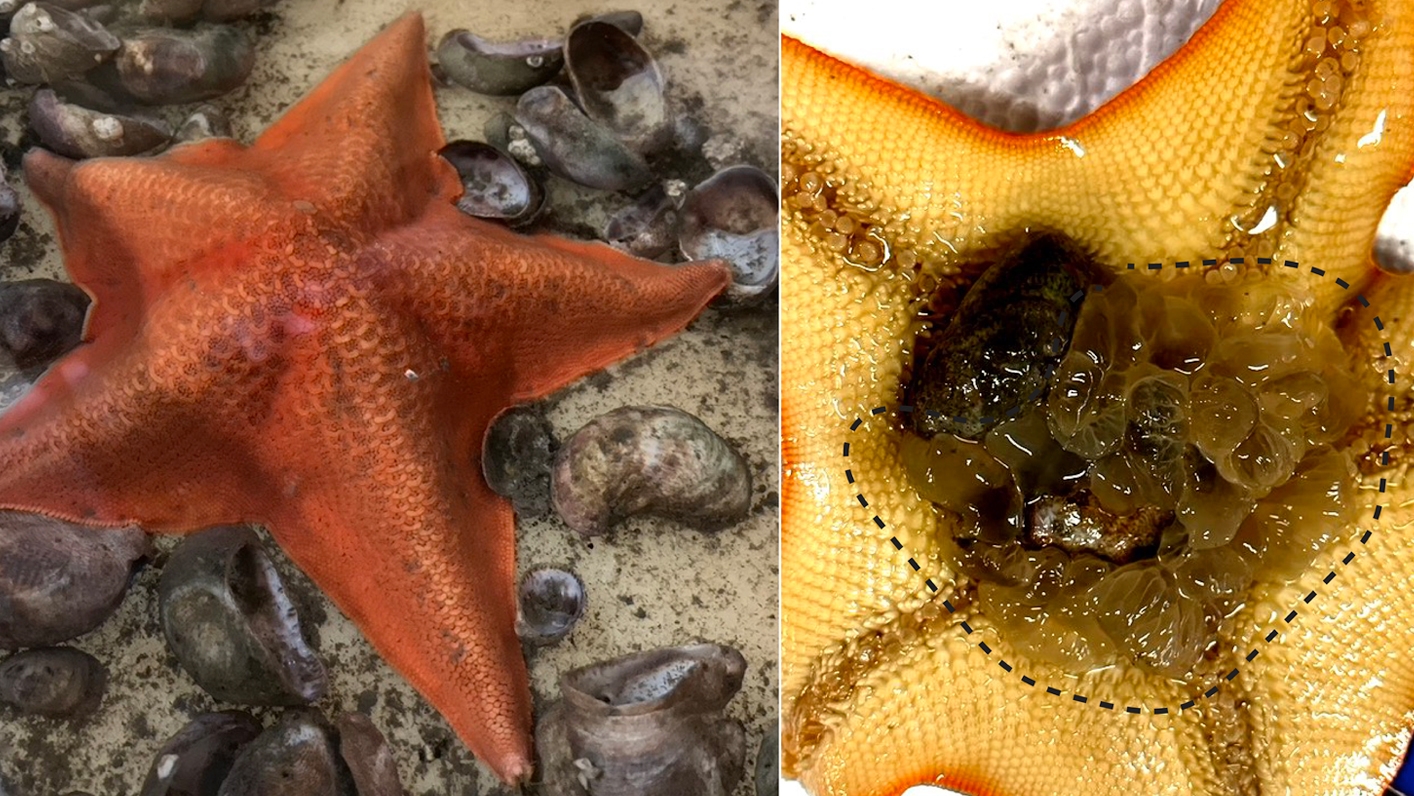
881 687
307 334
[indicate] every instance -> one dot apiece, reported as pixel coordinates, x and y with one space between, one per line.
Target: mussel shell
170 11
574 146
648 226
702 676
59 580
494 186
551 601
9 208
77 132
516 457
1006 337
205 122
40 320
497 130
231 625
9 7
655 460
498 68
618 83
732 216
58 682
768 762
196 760
630 21
165 66
295 757
647 724
366 753
48 43
227 10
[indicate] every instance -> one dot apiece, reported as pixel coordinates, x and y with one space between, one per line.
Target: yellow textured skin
882 689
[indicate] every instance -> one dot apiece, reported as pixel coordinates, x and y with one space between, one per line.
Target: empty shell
59 580
732 216
551 603
648 226
165 66
230 623
40 320
647 724
574 146
205 122
499 68
77 132
58 682
295 757
494 186
652 460
618 83
196 760
368 756
48 44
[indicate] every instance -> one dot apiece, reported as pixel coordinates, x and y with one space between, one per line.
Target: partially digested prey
1133 480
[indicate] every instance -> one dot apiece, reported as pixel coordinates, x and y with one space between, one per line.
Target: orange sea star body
884 686
305 333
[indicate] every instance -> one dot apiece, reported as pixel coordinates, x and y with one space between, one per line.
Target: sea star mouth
1116 459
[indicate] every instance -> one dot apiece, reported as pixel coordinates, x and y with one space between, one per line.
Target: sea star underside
305 333
882 687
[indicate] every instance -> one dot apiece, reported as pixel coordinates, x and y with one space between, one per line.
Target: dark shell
9 208
630 21
732 216
40 321
1004 340
231 625
9 7
365 751
59 580
497 130
516 458
648 226
649 460
58 682
618 84
498 68
551 603
196 760
768 762
227 10
647 724
78 132
170 11
48 44
205 122
295 757
164 66
494 186
574 146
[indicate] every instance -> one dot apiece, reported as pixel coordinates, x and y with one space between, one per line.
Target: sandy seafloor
650 582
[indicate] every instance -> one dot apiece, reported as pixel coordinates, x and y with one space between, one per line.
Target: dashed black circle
905 411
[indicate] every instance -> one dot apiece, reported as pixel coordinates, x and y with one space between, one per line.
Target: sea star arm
591 305
379 105
158 431
389 515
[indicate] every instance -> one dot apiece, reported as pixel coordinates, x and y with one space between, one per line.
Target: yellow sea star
1280 131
